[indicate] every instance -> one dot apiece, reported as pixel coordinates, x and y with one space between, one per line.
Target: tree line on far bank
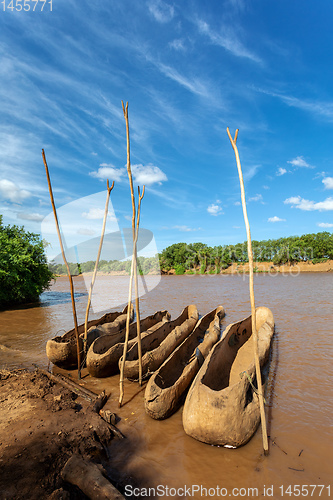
199 257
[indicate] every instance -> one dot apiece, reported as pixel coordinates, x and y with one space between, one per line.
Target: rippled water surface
300 392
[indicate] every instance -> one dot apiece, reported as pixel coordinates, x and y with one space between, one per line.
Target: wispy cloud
95 214
281 171
228 40
316 108
328 182
161 11
187 229
324 224
215 209
275 219
250 172
308 205
178 44
194 85
35 217
299 162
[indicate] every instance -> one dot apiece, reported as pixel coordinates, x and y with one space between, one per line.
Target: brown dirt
41 425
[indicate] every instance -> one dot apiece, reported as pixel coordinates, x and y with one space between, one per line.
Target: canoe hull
166 389
222 407
62 350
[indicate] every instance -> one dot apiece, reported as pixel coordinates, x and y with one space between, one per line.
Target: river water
300 386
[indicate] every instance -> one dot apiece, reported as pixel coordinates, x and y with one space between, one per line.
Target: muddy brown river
299 398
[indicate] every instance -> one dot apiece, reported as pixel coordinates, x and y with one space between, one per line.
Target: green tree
24 273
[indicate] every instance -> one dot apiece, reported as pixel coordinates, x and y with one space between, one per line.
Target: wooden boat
62 350
158 345
104 353
222 405
167 387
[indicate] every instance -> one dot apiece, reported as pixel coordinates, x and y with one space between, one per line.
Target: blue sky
189 69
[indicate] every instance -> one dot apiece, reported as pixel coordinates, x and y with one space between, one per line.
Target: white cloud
237 203
108 171
299 162
281 171
275 219
148 175
324 224
162 11
308 205
215 209
266 187
257 197
328 182
10 191
33 217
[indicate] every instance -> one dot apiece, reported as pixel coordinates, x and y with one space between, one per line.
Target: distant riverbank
239 268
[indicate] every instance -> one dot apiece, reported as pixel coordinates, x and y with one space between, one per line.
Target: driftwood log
88 477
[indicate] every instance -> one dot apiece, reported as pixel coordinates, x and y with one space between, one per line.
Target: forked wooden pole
109 189
133 267
67 266
253 307
137 305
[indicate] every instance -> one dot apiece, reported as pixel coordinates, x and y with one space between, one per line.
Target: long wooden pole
67 267
133 267
109 189
253 307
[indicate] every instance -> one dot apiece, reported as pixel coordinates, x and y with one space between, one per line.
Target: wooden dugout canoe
158 345
104 353
62 350
222 406
167 387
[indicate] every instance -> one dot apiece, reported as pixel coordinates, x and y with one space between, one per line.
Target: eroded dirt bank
43 424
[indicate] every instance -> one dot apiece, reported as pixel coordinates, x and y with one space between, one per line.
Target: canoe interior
167 377
104 343
153 341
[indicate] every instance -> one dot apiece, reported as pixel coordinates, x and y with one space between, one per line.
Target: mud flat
42 426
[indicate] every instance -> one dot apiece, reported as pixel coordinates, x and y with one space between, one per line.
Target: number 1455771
26 5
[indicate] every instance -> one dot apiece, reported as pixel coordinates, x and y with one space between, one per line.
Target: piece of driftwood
99 402
69 384
88 477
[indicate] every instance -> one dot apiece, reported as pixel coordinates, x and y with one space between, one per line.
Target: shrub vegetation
24 273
